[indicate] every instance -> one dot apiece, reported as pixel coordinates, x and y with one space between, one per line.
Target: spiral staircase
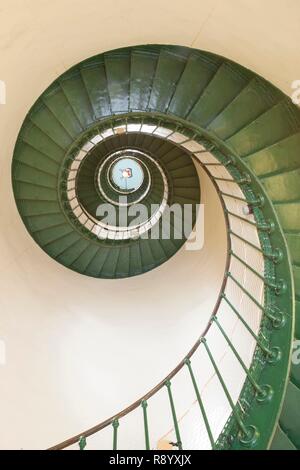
176 110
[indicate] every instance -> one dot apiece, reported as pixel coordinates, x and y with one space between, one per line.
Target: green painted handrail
175 420
115 425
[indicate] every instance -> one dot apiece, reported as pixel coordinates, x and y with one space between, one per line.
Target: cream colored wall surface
80 349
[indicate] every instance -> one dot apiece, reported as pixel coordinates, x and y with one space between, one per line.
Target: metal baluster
279 288
255 247
248 434
82 442
276 256
263 392
175 421
115 425
273 354
245 291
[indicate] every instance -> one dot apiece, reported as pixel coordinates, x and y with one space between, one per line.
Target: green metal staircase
192 92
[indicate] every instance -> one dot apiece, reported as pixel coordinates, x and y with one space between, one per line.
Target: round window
127 174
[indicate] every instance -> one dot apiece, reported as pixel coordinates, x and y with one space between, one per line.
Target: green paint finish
281 441
94 78
284 187
293 241
109 266
46 121
297 317
274 125
26 191
95 266
143 66
61 243
250 103
169 69
85 258
296 271
37 139
295 370
45 221
71 253
219 93
241 112
280 157
59 106
40 207
196 76
146 254
289 216
24 173
122 268
36 160
135 262
78 99
118 76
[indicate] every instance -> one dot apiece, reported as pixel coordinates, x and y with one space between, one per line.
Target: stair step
255 99
26 174
135 263
35 158
260 134
284 187
110 264
143 66
196 76
273 159
58 104
95 266
84 259
69 256
40 141
122 267
94 78
30 208
148 261
289 216
186 182
48 123
177 160
185 171
45 221
31 191
281 441
62 243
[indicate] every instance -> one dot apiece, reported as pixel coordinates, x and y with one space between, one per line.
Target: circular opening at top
127 174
